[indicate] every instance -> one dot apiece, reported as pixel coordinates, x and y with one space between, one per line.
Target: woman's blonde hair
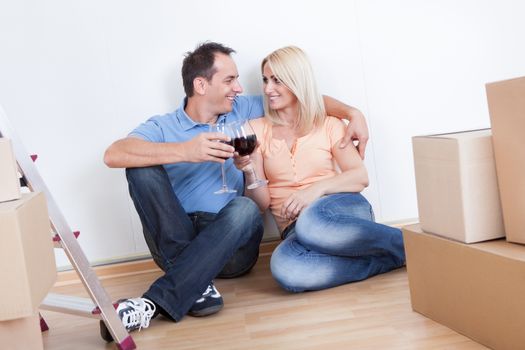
291 66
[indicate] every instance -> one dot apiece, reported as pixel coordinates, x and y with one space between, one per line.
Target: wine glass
225 129
244 142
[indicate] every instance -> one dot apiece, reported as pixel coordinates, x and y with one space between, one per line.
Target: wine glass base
225 190
257 184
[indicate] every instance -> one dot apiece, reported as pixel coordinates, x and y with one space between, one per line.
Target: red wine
228 143
245 145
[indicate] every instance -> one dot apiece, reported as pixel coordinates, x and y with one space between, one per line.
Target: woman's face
279 96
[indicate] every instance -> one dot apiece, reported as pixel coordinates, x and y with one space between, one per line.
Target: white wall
77 75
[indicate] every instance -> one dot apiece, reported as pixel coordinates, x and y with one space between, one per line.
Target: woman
330 237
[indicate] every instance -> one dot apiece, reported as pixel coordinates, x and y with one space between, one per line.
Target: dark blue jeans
192 249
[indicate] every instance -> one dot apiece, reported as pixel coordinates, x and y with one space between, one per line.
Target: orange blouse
310 160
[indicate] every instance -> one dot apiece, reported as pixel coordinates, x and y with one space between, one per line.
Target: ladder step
70 305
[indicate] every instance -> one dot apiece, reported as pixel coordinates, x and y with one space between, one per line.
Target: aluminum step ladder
99 306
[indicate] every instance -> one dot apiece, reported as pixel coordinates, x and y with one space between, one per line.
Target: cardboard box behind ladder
26 256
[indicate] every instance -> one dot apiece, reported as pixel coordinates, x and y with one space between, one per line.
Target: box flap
460 135
10 206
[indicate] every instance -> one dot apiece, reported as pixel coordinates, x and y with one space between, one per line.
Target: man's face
224 85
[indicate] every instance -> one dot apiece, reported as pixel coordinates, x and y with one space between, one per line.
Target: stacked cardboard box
475 289
459 274
28 263
457 188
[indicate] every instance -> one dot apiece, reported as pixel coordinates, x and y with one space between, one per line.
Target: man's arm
133 152
356 130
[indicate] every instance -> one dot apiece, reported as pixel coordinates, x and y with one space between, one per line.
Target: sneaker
134 313
210 302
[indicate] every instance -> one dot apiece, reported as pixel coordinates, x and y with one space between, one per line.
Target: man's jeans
191 249
335 241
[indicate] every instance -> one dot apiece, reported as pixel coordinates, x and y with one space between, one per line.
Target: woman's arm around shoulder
357 128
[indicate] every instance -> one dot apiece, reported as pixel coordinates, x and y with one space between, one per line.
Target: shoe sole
205 312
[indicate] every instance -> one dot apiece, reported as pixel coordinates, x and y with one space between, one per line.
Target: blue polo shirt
194 183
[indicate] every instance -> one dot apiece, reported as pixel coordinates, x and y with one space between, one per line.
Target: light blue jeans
335 241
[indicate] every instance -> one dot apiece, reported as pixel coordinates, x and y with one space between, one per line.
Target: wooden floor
373 314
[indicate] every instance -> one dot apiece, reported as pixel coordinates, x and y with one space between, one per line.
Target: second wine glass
244 142
225 129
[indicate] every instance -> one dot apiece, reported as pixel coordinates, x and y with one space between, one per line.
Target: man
171 166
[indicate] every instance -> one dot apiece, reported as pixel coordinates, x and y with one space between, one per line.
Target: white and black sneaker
134 313
210 302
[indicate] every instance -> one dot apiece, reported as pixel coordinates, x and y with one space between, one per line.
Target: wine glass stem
254 175
224 186
251 169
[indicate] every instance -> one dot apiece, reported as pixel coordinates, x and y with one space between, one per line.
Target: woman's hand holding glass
247 165
245 143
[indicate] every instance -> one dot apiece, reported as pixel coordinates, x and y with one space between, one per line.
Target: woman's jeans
335 241
191 249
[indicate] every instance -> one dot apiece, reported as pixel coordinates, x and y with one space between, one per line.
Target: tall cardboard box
26 256
475 289
9 182
457 188
506 101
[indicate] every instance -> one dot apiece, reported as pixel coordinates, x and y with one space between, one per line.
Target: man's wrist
181 150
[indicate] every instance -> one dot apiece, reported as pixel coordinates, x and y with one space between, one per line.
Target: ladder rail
68 241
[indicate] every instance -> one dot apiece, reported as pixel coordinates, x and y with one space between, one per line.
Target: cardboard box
457 188
475 289
506 101
9 182
26 256
21 333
